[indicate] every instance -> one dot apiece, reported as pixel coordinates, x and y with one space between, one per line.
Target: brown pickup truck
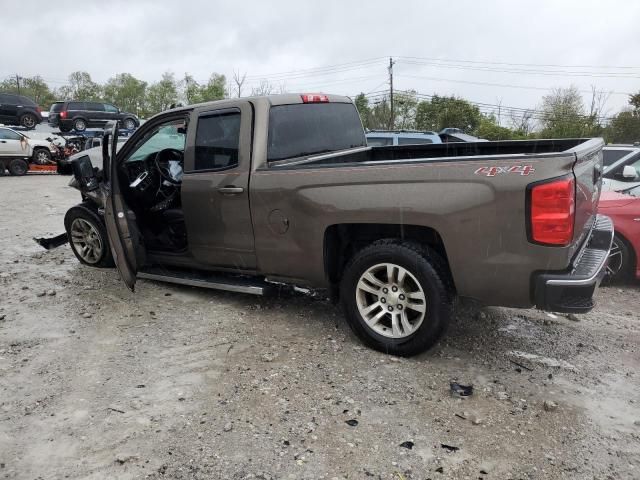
246 194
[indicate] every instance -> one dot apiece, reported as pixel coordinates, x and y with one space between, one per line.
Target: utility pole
392 121
18 82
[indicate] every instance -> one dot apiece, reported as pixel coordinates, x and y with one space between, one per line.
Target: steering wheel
161 161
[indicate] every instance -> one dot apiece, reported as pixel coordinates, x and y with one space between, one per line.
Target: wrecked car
244 194
18 150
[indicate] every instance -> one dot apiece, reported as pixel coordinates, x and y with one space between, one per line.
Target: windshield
171 135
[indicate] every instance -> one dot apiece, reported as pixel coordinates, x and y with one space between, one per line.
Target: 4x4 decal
493 171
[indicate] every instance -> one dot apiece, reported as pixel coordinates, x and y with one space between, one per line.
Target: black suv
78 116
19 110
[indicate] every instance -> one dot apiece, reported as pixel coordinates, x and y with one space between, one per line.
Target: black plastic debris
440 470
458 390
52 242
451 448
352 422
408 445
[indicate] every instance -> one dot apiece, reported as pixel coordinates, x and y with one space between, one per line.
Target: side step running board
213 281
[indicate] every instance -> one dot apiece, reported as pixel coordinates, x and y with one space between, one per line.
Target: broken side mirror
84 173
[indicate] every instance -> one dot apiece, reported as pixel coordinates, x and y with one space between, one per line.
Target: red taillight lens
314 98
553 207
63 114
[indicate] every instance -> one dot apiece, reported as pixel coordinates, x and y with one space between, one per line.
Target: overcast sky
473 43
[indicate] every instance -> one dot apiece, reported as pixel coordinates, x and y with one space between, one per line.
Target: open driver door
125 240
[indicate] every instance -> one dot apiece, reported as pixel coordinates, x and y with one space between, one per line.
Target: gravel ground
176 382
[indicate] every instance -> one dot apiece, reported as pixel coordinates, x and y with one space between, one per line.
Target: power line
439 79
519 64
519 71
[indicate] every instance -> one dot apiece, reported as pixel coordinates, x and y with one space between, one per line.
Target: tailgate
588 172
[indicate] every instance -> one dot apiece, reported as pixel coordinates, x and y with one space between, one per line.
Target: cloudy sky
492 51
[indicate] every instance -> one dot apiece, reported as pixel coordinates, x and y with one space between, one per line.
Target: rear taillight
314 98
552 211
63 114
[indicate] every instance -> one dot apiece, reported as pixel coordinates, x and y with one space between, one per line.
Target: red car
624 210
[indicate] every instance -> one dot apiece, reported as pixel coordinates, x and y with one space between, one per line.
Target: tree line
561 114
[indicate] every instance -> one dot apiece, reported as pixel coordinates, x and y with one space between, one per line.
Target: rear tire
88 237
18 167
29 121
402 313
79 125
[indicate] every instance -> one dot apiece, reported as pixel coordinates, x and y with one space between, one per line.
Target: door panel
215 188
126 243
12 144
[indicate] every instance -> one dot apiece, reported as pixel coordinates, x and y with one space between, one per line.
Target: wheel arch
342 241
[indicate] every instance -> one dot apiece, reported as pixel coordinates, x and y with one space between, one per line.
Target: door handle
230 190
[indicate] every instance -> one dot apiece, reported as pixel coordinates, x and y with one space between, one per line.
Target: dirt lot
173 382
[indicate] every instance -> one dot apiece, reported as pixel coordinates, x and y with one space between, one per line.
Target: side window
413 141
76 106
379 141
110 108
95 107
612 156
9 135
217 140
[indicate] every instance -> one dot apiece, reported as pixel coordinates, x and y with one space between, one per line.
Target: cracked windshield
323 241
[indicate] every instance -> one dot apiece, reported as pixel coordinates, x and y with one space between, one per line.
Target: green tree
126 92
215 89
404 109
625 126
161 95
32 87
563 115
80 87
362 105
490 129
443 112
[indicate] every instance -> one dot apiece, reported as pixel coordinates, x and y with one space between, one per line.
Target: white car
621 167
18 146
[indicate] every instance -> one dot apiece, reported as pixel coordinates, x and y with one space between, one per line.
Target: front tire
18 167
88 237
396 297
129 124
620 262
42 156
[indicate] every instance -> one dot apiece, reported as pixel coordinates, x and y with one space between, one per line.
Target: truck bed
433 152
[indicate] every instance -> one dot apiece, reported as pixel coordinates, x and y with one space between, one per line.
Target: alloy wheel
86 240
615 262
391 300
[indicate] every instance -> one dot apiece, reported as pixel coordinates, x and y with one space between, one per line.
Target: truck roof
279 99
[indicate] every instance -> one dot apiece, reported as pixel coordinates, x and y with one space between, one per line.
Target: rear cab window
413 141
304 129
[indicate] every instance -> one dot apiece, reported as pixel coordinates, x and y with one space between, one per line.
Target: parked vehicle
78 116
17 151
94 153
382 138
624 210
240 193
621 167
19 110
